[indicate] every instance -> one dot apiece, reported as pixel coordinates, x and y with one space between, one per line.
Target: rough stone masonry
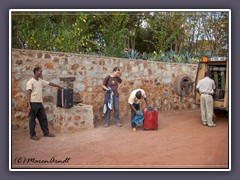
156 78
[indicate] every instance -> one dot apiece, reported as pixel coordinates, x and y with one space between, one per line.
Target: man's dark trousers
37 111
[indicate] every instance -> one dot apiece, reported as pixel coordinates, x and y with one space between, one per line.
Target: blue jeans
116 111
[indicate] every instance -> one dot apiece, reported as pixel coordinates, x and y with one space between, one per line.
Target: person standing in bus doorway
205 88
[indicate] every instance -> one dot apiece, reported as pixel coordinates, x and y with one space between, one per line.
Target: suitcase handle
150 109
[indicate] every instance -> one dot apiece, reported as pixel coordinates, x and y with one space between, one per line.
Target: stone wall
73 119
156 78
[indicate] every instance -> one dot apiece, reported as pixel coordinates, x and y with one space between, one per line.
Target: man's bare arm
29 100
55 85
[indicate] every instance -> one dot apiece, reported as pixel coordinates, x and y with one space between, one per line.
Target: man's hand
197 89
119 86
60 87
137 113
109 90
29 100
29 109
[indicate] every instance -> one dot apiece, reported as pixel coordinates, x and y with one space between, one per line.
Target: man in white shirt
134 102
34 104
206 88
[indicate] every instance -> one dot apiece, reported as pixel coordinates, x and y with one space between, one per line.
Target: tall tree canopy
111 33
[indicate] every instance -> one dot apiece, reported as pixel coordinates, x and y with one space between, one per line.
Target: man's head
37 72
207 74
139 94
116 71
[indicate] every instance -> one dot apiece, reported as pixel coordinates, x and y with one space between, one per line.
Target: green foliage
147 56
160 36
133 54
54 32
169 56
114 32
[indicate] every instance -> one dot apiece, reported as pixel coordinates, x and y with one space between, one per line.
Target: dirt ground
180 142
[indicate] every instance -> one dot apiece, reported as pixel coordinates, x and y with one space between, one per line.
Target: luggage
65 98
150 118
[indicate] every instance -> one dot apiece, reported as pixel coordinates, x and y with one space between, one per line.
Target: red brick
76 117
19 62
49 65
74 66
47 56
39 55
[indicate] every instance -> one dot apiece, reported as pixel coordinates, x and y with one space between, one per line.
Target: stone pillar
73 119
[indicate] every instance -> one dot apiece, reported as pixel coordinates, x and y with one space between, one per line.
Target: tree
109 33
166 28
52 31
216 30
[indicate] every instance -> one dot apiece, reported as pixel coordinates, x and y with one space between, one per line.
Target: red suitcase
150 118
